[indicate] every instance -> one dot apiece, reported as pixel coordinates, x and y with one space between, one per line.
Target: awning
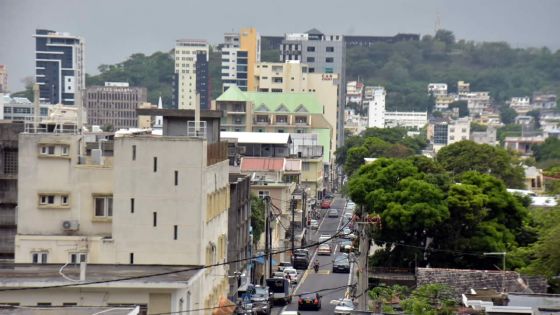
261 260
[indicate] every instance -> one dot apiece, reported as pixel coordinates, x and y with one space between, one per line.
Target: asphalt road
330 285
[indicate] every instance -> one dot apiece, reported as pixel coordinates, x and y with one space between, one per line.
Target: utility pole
503 254
293 208
268 260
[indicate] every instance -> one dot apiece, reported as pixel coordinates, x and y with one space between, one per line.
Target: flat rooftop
28 275
168 112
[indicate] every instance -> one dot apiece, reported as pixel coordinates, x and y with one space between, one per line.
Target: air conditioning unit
70 225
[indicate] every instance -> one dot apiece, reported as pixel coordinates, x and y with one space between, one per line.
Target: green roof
293 101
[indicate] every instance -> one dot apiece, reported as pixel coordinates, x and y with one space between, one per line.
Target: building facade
191 80
443 133
240 52
323 54
3 79
114 105
415 120
59 66
21 109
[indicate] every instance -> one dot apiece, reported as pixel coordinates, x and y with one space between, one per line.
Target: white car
292 274
343 306
325 238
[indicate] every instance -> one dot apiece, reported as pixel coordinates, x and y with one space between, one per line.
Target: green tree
355 159
462 106
445 36
464 156
257 217
478 127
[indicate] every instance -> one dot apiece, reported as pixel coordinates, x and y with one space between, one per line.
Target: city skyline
149 27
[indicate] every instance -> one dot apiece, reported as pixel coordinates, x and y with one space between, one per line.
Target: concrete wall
463 280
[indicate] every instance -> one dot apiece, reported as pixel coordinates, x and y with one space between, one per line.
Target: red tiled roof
249 164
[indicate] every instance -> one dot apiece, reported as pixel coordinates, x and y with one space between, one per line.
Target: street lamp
503 254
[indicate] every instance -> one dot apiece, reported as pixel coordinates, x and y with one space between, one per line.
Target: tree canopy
464 156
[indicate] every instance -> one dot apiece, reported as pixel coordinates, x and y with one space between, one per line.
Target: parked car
341 263
324 249
309 301
343 306
313 224
284 264
332 213
291 273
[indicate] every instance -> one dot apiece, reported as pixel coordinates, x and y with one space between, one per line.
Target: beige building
191 73
3 79
128 202
294 76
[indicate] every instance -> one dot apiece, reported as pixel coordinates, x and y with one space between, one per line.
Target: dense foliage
427 218
432 299
257 218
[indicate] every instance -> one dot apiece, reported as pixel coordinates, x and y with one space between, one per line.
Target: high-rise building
191 74
59 66
323 53
114 104
3 78
240 53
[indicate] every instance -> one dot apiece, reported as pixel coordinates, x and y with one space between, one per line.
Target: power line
162 273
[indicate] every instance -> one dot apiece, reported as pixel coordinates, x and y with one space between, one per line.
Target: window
64 200
155 164
134 152
131 258
65 150
44 304
39 257
305 166
69 304
176 178
155 218
329 59
310 59
329 70
47 149
103 206
10 161
310 48
131 205
276 79
46 199
329 49
175 231
76 258
263 193
311 70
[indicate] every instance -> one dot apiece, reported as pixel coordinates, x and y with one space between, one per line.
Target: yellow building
240 52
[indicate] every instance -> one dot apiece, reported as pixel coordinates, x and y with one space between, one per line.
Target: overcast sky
115 29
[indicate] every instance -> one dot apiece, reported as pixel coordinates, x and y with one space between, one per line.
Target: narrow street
324 279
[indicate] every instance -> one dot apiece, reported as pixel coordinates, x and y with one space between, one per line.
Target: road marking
323 272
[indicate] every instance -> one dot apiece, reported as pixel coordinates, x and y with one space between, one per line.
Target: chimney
83 267
36 107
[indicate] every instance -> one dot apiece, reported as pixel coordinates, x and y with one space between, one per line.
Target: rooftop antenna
437 24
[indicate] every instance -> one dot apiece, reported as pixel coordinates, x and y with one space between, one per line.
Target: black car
300 260
341 263
309 301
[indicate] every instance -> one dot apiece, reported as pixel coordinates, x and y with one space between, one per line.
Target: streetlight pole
503 254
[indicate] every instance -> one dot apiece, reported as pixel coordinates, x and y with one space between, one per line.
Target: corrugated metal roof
250 164
257 137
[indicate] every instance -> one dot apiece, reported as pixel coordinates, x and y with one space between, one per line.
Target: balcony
261 121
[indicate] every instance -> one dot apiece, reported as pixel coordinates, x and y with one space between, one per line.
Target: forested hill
404 68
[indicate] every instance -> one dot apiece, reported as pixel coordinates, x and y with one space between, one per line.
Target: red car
326 204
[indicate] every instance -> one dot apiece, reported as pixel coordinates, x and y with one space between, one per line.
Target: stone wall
464 279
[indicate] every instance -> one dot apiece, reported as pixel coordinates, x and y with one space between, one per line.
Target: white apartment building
137 204
445 133
415 120
437 89
191 63
376 109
